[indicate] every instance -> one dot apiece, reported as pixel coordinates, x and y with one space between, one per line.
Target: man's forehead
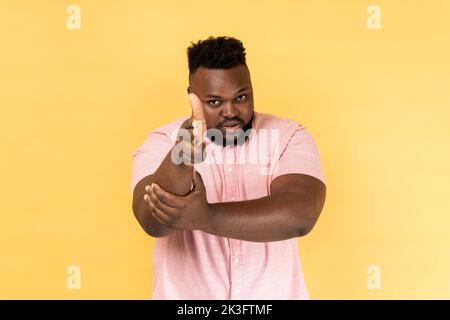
216 81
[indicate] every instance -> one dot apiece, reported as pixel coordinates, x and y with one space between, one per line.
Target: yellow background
76 103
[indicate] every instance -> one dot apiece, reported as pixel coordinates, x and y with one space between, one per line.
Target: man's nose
230 110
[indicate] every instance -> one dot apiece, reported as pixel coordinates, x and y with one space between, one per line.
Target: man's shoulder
170 127
270 122
165 133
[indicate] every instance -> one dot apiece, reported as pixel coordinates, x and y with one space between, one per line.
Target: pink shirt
197 265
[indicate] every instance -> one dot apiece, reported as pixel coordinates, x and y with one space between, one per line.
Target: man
226 222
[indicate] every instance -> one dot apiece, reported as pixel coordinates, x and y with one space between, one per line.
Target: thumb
198 118
197 108
197 181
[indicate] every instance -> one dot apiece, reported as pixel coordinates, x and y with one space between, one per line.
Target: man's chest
237 174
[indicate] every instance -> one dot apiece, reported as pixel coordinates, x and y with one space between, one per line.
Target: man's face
227 96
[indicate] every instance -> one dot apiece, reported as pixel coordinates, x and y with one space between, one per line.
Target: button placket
229 156
236 272
235 261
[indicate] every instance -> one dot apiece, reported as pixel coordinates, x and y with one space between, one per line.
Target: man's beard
229 137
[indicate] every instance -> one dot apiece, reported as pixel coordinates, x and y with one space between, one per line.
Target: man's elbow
310 212
153 232
305 229
140 215
307 223
151 229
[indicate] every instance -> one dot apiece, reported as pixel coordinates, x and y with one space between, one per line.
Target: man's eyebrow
242 89
212 96
219 97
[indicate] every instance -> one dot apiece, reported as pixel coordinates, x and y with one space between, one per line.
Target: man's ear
189 89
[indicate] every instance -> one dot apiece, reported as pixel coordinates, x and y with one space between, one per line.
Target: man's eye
241 98
214 103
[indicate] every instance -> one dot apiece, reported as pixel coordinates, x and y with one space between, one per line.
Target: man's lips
231 124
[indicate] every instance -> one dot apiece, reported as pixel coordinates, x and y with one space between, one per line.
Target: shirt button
229 169
236 291
236 260
233 198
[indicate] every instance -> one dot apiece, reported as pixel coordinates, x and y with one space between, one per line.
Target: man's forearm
272 218
175 179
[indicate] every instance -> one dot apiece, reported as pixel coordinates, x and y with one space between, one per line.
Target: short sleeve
300 155
148 157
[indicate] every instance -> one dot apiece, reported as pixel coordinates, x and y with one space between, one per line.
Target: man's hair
216 53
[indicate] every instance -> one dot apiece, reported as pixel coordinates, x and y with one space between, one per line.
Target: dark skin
227 95
163 201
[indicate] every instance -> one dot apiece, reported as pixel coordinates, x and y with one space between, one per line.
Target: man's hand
190 146
174 175
191 212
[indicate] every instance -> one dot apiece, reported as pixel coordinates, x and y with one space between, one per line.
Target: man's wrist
209 226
